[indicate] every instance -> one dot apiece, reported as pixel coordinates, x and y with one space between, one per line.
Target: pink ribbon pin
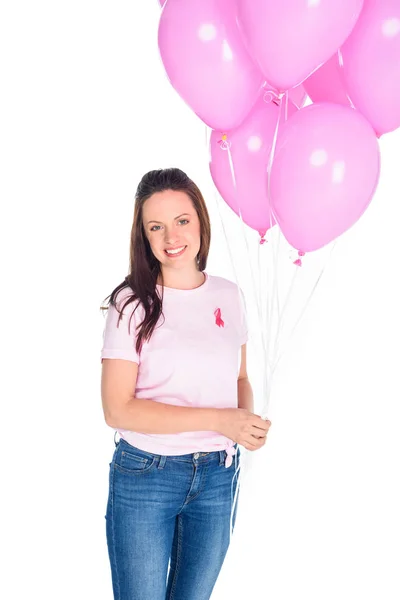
218 319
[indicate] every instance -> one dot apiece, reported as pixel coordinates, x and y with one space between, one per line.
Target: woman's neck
182 281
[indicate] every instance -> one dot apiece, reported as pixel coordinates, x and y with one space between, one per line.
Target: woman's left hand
263 437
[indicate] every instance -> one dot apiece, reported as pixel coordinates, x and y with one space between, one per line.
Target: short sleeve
244 333
120 342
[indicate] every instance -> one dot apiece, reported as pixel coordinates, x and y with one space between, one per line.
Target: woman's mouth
176 252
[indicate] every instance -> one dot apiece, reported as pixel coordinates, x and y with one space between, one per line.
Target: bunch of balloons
228 59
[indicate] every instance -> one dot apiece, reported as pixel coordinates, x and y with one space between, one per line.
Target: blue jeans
168 522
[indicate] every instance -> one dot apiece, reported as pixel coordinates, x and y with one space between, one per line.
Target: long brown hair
144 268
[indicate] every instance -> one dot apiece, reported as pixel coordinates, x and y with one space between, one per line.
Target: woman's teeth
177 251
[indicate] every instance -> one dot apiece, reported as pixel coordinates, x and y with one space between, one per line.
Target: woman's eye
181 221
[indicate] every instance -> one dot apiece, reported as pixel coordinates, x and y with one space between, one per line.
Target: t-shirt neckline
198 289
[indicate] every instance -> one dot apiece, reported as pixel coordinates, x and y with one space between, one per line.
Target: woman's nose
171 238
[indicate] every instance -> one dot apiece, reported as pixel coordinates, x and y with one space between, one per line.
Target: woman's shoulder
122 299
222 283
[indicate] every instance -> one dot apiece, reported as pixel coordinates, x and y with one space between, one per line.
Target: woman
170 386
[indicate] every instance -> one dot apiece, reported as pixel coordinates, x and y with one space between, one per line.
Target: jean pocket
129 462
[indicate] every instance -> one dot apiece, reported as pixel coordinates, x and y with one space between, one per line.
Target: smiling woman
171 391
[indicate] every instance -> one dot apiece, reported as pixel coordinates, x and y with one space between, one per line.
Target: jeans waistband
189 457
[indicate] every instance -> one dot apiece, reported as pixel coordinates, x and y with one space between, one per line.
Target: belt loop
161 462
222 455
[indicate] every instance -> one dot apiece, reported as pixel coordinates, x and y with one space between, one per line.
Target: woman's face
171 222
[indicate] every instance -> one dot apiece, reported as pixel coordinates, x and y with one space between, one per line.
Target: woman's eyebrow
183 214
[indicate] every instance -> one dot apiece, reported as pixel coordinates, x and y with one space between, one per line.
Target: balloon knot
273 96
224 144
262 234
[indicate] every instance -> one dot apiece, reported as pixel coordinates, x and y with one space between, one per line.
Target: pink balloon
324 174
250 149
290 38
327 84
371 64
298 96
206 60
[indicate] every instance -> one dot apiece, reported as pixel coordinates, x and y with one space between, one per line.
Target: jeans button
196 456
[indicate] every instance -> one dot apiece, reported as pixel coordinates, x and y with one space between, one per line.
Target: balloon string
226 145
277 343
238 469
340 60
258 296
272 298
277 361
272 364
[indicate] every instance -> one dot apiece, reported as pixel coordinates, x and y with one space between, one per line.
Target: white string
274 295
238 468
275 363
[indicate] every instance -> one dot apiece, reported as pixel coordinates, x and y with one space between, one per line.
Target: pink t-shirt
192 358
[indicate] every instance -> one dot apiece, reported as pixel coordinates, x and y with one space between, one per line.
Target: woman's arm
245 392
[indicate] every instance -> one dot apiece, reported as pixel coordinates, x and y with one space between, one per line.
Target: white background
86 110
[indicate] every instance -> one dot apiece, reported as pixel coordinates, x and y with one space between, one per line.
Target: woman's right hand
244 427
